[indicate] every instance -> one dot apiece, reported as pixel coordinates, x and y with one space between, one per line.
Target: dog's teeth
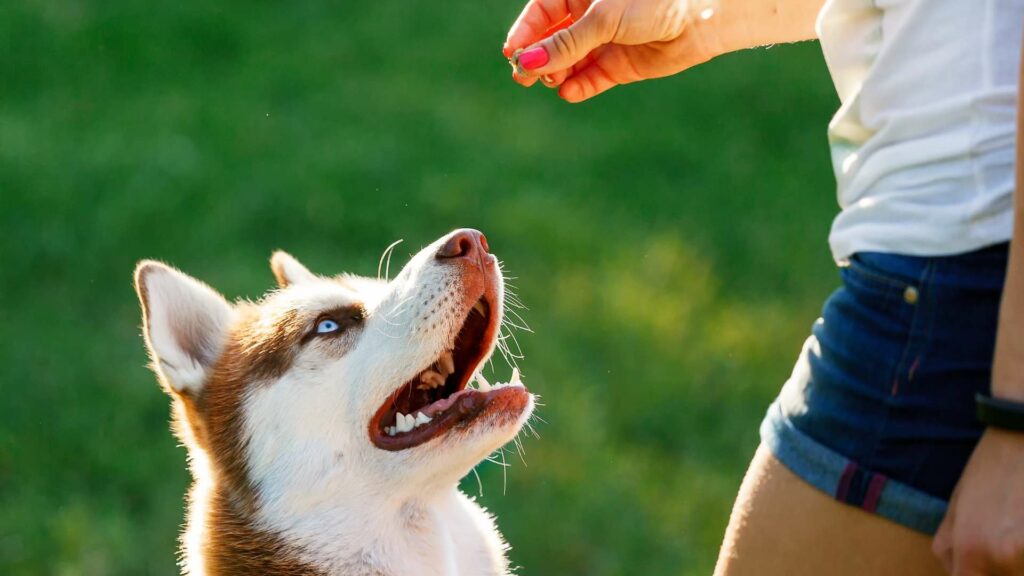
400 423
484 384
515 380
446 363
432 379
479 307
391 431
421 419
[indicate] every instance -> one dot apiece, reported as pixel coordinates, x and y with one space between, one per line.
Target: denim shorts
879 410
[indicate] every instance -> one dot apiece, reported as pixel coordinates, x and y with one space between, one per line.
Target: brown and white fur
288 408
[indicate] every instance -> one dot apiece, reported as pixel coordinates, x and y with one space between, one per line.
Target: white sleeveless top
923 144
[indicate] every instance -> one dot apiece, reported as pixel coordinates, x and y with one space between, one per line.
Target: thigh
782 526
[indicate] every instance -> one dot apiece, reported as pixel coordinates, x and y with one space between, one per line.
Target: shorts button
910 295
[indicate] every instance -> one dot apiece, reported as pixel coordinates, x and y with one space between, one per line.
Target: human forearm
983 532
1008 369
741 24
587 46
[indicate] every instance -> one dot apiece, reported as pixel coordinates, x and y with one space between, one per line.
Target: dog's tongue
444 404
484 386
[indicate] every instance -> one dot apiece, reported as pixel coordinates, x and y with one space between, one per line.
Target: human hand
983 532
586 47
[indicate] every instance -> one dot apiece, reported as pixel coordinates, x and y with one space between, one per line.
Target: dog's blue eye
327 326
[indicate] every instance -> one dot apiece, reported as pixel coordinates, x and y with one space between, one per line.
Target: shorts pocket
866 274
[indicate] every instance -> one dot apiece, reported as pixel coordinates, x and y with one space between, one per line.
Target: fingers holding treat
539 20
521 70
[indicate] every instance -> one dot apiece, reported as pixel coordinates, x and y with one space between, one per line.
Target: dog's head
342 379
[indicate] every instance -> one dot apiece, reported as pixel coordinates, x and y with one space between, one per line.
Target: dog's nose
464 243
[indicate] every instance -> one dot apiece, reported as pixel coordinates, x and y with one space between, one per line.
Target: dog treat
513 60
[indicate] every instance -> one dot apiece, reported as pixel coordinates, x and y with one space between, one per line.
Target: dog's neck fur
442 533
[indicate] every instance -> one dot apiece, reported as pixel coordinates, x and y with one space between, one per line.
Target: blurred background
669 239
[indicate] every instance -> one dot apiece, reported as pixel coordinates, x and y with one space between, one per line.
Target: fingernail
533 58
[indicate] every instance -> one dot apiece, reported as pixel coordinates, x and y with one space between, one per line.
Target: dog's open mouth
437 399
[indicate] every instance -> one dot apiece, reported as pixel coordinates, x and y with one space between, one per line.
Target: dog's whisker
514 303
512 324
385 334
400 306
525 326
503 348
387 254
479 483
390 323
519 349
501 345
387 268
504 473
512 293
519 449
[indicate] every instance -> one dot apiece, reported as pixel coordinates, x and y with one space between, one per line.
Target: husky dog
328 424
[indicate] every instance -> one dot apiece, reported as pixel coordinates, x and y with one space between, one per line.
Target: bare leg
783 526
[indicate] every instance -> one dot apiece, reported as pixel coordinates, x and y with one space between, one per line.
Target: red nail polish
533 58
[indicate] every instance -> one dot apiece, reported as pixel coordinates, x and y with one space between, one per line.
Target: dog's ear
185 324
288 270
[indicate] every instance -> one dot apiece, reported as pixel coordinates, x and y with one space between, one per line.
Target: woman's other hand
983 533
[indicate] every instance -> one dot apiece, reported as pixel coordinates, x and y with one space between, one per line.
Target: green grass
668 238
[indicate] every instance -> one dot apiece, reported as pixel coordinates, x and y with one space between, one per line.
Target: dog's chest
453 538
435 562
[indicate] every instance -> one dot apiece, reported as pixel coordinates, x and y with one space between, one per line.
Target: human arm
983 532
1008 368
611 42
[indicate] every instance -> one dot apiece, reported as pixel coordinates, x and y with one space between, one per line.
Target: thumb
566 47
942 543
